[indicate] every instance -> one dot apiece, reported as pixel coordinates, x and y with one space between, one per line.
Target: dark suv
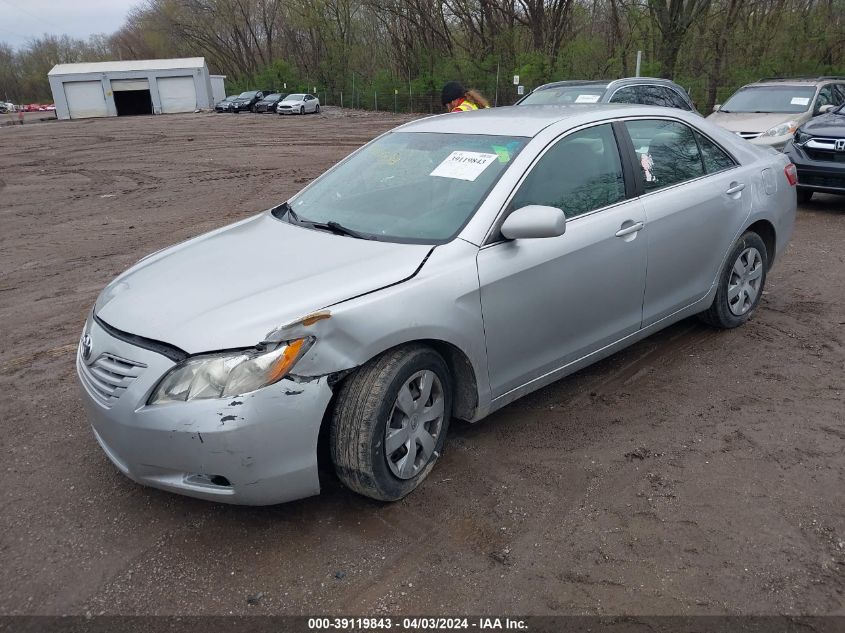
818 151
641 90
247 100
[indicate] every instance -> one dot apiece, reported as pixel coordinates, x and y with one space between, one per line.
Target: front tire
302 109
390 421
740 284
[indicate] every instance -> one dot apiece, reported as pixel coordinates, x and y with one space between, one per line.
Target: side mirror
717 107
826 108
534 221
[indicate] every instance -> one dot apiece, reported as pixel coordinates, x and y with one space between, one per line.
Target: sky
23 20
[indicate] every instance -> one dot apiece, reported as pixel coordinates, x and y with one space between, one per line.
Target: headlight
229 374
782 130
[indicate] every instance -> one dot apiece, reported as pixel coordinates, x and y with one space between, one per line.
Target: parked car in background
269 102
225 104
247 100
298 104
769 111
5 107
639 90
818 151
421 281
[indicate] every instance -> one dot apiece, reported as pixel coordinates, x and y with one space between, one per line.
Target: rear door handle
629 229
735 188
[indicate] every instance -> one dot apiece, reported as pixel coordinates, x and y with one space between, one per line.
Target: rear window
565 94
764 99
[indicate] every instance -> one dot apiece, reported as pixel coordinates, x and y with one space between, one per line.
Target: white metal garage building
147 86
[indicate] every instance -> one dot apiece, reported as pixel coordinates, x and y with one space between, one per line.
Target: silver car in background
441 271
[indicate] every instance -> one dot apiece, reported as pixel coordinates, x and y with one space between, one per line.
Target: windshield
230 97
565 94
247 95
294 97
786 99
410 187
272 97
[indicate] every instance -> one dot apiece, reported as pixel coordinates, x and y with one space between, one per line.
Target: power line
32 15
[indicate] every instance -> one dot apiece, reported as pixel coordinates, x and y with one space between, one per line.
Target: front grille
824 149
834 182
108 377
832 157
750 135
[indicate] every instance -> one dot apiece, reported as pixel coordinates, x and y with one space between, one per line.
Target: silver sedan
441 271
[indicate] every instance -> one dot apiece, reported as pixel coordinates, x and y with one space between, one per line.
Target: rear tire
804 195
390 421
317 109
741 284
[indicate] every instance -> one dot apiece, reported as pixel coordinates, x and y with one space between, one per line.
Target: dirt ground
698 472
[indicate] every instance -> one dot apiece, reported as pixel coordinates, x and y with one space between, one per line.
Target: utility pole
639 62
496 98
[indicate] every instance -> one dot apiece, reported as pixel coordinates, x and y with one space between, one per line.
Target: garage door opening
133 102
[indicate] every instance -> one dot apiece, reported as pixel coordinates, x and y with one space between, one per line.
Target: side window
657 95
839 94
580 173
715 158
629 94
677 100
667 152
825 98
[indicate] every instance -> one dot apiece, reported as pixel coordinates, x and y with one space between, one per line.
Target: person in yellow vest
456 98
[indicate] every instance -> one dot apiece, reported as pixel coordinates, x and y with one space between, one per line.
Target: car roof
796 81
522 121
607 82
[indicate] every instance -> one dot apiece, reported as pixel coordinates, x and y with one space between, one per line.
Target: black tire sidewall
389 485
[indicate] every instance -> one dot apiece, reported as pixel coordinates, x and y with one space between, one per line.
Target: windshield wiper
337 227
331 225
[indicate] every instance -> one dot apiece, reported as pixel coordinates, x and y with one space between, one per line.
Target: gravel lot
698 472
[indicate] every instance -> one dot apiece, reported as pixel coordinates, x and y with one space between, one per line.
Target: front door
547 302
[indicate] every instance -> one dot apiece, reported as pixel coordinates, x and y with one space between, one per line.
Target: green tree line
370 50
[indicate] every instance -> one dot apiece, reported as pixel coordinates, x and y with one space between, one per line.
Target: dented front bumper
256 449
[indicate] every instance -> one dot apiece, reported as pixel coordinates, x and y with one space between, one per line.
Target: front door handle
629 229
735 187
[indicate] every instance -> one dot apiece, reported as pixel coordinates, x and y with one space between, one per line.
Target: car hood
286 102
231 287
831 125
752 121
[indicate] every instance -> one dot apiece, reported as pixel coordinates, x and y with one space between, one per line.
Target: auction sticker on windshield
587 99
464 165
800 101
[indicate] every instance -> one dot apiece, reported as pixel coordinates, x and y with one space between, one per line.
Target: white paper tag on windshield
800 101
464 165
587 99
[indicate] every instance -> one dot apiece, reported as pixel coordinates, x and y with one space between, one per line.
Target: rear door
697 199
548 302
